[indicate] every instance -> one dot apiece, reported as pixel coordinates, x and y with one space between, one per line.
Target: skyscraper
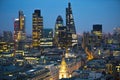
22 21
16 29
116 35
70 20
97 28
19 31
47 40
71 31
22 33
62 34
97 32
58 24
37 29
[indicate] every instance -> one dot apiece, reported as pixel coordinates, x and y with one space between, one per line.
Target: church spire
63 72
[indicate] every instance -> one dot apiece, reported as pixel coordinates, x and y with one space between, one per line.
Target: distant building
16 29
58 24
7 36
28 42
47 40
48 33
85 40
6 42
3 46
97 32
117 30
37 29
19 32
62 37
1 37
116 35
22 33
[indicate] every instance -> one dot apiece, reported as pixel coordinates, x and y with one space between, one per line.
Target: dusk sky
85 12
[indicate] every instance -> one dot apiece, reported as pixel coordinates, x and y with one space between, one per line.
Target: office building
47 40
70 20
59 23
7 36
116 35
19 31
70 24
37 28
97 33
97 30
16 29
62 34
22 32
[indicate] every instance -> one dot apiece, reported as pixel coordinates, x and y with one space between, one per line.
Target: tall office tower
47 40
19 32
37 29
59 23
16 36
62 37
70 20
22 33
22 21
116 35
97 32
16 29
7 36
72 37
85 40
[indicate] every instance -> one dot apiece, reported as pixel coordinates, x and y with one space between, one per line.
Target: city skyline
107 14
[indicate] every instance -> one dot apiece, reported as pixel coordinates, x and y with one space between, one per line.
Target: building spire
69 2
63 72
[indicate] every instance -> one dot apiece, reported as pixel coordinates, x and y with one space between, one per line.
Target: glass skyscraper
70 20
19 31
22 21
71 31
